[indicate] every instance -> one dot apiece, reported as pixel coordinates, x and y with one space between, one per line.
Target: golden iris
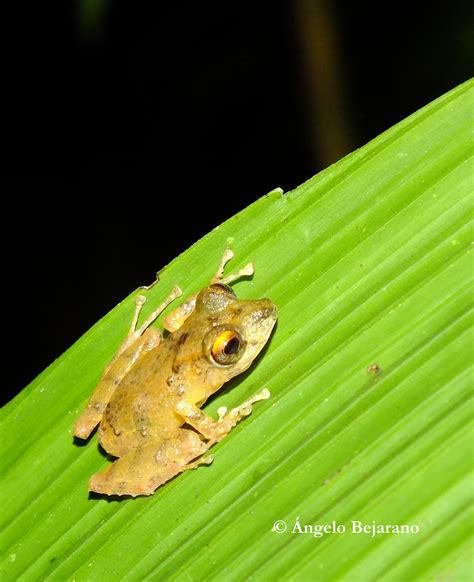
227 347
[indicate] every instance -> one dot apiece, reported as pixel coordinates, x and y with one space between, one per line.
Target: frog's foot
143 470
246 271
203 461
227 420
213 430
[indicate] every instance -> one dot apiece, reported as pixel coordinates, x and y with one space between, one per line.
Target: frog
148 403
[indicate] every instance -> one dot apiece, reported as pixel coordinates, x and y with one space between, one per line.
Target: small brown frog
155 385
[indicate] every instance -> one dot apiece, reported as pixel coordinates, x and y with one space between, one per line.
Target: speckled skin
156 385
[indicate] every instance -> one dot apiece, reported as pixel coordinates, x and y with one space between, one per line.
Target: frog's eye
226 346
221 287
215 298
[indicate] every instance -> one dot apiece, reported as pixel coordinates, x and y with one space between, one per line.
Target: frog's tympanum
148 401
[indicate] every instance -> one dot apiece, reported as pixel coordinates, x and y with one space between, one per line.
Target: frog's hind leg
137 343
142 470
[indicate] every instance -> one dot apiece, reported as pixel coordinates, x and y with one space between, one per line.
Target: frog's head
236 330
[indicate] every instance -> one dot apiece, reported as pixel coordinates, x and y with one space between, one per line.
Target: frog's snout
263 315
269 311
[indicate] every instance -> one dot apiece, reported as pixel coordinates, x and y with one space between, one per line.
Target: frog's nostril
267 312
270 311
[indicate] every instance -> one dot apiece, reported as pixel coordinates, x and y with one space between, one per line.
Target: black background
130 129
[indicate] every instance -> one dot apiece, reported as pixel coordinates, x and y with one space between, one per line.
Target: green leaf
369 263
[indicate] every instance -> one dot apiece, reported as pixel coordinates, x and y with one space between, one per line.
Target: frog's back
139 410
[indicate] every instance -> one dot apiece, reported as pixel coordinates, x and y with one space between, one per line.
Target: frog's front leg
143 470
246 271
138 342
216 430
174 320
